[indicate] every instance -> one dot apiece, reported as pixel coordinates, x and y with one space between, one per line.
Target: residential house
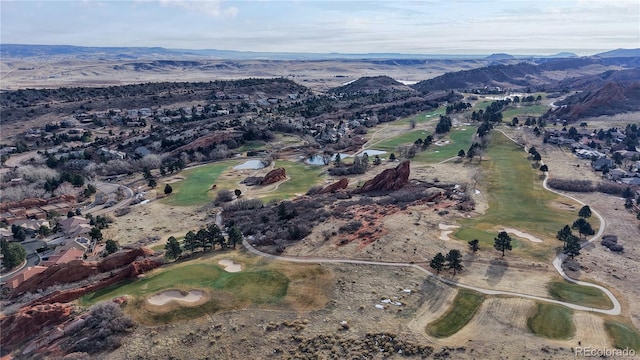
75 226
18 279
602 163
62 257
112 154
616 174
630 181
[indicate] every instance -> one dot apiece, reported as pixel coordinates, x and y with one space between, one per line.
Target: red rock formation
388 180
131 271
29 321
274 176
77 270
338 185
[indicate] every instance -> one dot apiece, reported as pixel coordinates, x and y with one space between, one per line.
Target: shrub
351 226
571 185
243 204
104 329
223 196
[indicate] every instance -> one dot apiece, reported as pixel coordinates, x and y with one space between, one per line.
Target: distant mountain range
21 51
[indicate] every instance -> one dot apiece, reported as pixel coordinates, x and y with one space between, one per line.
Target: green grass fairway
552 321
516 199
622 335
408 138
460 139
226 290
194 189
302 178
464 306
251 145
578 294
522 111
256 285
421 117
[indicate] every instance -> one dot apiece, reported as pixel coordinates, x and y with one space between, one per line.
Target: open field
464 306
552 321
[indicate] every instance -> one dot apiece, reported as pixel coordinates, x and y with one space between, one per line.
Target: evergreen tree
502 242
572 247
585 212
474 245
190 241
437 263
564 233
13 254
454 260
235 236
110 246
172 248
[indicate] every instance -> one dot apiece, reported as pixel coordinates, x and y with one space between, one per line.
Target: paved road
110 190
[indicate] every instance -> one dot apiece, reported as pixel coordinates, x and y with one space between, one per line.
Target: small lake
250 165
372 152
319 159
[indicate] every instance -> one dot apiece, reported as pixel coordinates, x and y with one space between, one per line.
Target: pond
250 165
319 159
372 152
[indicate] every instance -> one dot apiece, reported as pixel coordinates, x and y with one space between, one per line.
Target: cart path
557 264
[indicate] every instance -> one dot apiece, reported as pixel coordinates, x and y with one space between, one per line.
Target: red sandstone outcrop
30 320
34 202
338 185
132 270
388 180
77 270
274 176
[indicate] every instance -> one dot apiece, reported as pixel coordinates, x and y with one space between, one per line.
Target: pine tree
437 263
502 242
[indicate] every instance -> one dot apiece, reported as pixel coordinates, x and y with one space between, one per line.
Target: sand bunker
446 230
171 295
230 266
521 234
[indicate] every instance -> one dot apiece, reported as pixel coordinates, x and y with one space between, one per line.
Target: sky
518 27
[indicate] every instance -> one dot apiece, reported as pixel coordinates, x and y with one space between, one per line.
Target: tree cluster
13 254
205 239
452 261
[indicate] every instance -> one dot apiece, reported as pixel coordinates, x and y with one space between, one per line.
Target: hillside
612 98
519 75
620 53
371 84
536 74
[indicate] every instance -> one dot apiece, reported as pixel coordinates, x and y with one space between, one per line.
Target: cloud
210 8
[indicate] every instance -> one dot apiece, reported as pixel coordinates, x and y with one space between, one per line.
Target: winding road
557 264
